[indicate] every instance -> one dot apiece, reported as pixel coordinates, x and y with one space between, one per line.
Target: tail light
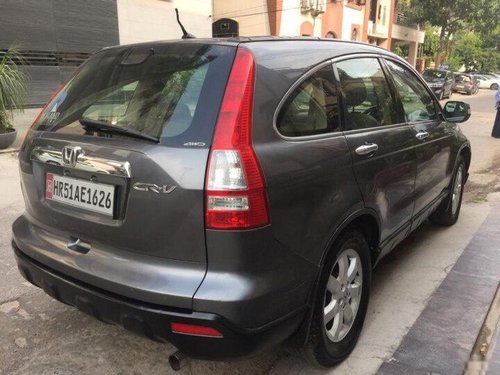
195 330
235 187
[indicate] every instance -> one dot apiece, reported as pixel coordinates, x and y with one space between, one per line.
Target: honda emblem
70 155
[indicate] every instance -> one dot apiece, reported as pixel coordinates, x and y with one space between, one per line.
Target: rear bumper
437 90
462 89
154 321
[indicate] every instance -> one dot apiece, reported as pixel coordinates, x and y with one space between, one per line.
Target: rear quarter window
312 108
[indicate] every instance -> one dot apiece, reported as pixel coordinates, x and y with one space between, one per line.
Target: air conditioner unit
305 6
320 6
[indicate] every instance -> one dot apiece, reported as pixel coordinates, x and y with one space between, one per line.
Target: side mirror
455 111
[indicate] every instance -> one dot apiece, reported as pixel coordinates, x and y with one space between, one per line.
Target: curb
443 337
9 150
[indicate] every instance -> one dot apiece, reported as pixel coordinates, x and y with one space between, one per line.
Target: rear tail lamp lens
235 186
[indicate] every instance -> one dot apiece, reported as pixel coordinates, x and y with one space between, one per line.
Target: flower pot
6 139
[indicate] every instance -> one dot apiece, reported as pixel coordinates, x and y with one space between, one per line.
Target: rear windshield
462 78
170 92
436 74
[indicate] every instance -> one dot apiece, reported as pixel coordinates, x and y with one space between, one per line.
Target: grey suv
228 195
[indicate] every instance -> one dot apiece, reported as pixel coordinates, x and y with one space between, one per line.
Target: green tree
470 50
431 42
13 87
490 60
450 16
467 47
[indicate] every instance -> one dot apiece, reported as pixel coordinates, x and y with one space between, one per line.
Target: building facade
371 21
56 36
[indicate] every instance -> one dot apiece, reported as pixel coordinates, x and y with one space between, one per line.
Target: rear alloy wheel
341 301
494 86
343 295
447 212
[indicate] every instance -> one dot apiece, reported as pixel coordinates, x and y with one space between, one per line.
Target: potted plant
13 89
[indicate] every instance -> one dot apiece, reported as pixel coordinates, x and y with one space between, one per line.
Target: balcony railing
401 19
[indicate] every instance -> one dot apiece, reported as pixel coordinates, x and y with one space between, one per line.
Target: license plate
88 195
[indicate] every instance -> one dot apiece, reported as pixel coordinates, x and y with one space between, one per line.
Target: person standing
496 127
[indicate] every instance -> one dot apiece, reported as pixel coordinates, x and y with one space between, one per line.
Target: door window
312 107
367 97
417 102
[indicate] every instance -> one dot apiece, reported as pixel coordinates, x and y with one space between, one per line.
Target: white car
488 81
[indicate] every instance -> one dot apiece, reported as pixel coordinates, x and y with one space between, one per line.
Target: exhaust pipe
177 360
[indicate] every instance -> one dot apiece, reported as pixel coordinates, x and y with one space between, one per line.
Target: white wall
251 15
147 20
292 18
350 17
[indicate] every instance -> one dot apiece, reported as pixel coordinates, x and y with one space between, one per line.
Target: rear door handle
422 135
366 149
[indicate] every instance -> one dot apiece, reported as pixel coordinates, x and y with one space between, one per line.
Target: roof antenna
185 34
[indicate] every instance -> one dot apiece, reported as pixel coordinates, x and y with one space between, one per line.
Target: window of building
306 29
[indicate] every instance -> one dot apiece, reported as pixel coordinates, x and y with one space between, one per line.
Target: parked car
440 81
488 82
466 83
228 195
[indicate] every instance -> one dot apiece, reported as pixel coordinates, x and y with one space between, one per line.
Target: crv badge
70 155
163 189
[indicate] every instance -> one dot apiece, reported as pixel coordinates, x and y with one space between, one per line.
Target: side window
417 102
311 108
367 97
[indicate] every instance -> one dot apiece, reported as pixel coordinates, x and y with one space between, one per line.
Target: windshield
169 92
435 74
463 78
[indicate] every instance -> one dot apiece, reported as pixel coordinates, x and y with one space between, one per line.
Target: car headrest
355 91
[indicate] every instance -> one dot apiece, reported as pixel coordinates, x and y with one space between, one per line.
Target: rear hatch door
119 154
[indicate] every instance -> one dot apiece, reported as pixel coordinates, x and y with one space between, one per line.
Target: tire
441 96
494 86
330 348
448 211
450 94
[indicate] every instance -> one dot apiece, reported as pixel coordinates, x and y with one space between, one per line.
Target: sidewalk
442 338
22 121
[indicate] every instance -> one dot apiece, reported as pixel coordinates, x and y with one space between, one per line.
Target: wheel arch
367 222
465 153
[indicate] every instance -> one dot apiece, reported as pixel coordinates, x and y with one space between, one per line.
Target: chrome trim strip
83 162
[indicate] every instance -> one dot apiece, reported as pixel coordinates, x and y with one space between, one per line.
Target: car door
309 180
381 145
430 135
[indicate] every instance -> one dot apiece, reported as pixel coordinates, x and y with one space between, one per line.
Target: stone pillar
412 54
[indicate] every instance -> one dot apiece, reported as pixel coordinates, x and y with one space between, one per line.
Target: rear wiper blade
108 128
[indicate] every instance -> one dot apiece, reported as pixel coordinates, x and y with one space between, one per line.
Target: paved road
43 336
